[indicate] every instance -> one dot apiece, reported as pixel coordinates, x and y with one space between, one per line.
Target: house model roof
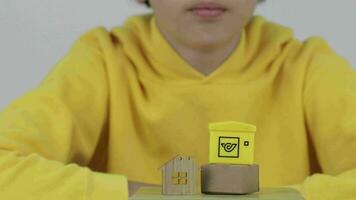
183 157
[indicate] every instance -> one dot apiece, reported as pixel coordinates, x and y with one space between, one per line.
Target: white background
35 34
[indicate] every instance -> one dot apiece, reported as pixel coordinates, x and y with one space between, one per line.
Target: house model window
180 178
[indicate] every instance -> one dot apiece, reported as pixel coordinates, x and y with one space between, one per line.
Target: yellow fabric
124 102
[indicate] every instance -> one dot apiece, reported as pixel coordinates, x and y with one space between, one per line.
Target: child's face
176 20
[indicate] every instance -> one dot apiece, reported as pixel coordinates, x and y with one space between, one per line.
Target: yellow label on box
231 142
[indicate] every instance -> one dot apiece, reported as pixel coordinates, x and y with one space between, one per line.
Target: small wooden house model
179 176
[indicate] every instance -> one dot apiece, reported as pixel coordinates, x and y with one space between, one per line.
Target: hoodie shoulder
267 32
265 35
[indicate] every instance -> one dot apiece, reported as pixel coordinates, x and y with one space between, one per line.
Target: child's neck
207 59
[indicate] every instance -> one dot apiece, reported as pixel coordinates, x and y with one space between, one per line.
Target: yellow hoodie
124 102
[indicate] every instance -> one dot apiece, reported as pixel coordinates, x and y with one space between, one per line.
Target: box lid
232 126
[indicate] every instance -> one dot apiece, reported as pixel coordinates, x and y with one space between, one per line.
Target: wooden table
154 193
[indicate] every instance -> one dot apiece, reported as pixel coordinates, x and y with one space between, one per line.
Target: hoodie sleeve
330 111
49 134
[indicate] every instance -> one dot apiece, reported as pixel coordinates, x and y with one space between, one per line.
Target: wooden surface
134 186
154 193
